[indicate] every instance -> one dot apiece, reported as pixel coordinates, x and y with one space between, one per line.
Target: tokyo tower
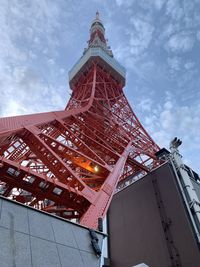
70 162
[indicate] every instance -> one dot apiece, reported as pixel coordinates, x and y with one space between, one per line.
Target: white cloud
146 5
168 105
145 104
175 63
159 3
180 43
140 34
172 120
189 65
167 120
126 3
174 9
25 29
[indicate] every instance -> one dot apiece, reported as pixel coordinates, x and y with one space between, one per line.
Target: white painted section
141 265
96 52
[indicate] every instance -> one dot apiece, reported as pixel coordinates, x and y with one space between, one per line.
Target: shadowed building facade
149 222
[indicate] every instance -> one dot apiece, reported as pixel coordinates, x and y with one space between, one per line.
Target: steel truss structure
70 162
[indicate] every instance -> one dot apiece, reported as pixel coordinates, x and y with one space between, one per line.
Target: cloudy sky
158 41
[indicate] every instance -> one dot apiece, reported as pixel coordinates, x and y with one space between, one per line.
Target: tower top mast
100 52
97 36
97 14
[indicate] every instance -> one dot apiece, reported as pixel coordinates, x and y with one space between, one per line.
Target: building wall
29 237
137 224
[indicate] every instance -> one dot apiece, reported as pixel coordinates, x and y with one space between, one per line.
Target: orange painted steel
69 162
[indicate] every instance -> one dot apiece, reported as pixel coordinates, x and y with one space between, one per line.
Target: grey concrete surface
33 238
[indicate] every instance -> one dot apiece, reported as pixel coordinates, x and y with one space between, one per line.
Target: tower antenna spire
97 14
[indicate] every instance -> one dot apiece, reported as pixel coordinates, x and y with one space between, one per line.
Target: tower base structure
150 221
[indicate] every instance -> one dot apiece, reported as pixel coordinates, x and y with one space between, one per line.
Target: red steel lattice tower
70 162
